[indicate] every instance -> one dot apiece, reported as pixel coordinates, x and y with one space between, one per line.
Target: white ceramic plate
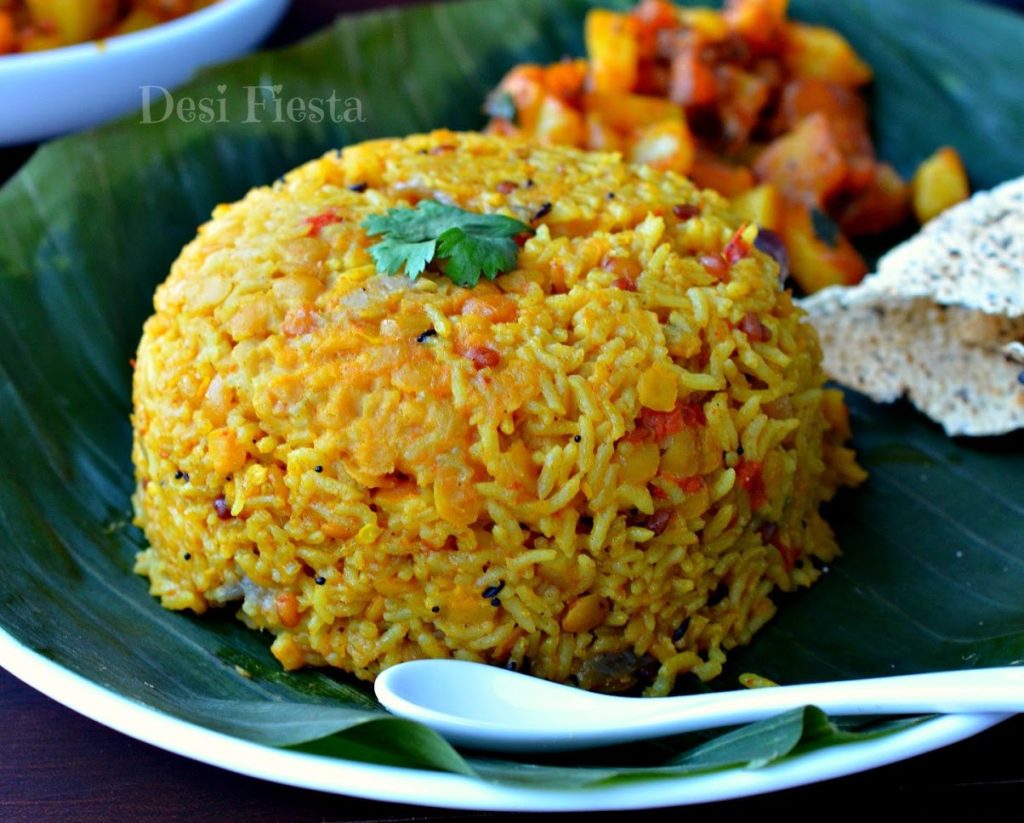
46 93
454 791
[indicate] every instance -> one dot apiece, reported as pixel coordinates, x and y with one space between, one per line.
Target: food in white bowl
35 25
56 90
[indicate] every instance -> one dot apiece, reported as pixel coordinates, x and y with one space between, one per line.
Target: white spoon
487 707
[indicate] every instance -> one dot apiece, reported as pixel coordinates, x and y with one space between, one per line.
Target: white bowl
46 93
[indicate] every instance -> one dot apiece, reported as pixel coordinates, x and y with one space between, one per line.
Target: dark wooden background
58 766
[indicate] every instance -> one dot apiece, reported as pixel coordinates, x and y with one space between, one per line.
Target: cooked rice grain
372 496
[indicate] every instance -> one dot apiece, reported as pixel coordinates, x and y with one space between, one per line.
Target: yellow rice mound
596 468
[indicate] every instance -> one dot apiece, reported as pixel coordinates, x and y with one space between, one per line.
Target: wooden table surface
57 765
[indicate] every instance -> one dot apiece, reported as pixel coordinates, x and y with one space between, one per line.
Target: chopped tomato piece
737 248
482 356
692 415
715 264
690 485
317 222
754 329
750 479
660 425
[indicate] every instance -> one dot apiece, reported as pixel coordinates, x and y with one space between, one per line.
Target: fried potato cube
939 182
557 122
626 112
524 87
708 24
601 136
38 41
611 43
807 164
844 107
667 146
73 21
819 255
137 20
817 51
728 180
760 22
761 205
565 78
881 205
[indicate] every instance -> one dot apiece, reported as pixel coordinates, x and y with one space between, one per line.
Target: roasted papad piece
942 321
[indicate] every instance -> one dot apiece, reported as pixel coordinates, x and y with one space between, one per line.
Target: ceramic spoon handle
979 690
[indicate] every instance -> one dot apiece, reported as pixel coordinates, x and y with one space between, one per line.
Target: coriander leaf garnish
468 244
391 254
470 255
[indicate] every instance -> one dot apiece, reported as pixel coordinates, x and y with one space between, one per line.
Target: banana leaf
933 569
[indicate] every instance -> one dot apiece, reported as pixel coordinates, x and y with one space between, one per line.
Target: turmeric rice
596 468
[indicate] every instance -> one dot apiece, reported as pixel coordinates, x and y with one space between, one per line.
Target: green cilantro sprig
467 244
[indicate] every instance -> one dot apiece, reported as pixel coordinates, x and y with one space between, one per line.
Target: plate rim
452 791
145 723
